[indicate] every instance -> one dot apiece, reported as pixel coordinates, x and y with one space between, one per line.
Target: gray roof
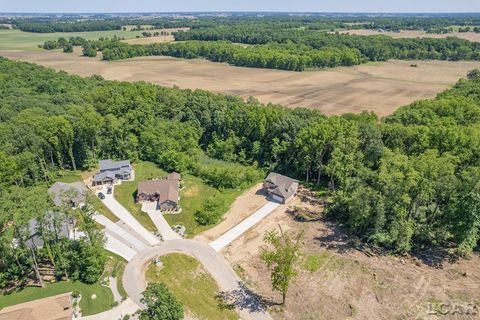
284 186
106 175
109 169
109 165
59 190
35 237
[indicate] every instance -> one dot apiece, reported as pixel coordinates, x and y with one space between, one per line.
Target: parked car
109 190
101 195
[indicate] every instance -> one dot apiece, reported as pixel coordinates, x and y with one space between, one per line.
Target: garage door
276 198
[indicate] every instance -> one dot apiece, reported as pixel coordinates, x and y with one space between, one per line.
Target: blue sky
240 5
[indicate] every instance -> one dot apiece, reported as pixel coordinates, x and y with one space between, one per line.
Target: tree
474 74
282 259
161 304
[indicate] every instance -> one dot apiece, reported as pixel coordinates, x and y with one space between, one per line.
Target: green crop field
18 40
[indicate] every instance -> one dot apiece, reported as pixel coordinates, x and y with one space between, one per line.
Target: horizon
218 6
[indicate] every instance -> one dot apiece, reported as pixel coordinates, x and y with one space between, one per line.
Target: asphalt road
248 304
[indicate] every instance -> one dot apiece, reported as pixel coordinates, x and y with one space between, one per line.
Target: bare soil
354 281
471 36
378 87
246 204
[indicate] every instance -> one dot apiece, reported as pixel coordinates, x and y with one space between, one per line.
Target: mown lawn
192 195
192 285
125 193
19 40
103 302
89 306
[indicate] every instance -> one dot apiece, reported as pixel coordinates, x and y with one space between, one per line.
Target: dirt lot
379 87
353 282
249 202
472 36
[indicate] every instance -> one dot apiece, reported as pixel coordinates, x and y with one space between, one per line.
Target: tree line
375 48
406 182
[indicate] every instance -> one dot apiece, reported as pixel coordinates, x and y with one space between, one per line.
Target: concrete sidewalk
243 226
123 214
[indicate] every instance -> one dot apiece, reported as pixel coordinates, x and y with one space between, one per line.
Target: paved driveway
117 246
126 307
123 214
129 239
243 226
162 226
246 302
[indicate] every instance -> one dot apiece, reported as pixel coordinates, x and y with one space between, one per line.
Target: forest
320 50
406 182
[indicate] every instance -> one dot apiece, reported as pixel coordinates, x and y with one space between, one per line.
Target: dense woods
406 182
375 48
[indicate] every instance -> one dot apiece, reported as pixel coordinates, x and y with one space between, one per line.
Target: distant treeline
273 56
375 48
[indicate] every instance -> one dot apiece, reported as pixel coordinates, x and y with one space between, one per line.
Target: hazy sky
240 5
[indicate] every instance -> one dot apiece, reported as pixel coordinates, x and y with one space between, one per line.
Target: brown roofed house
163 191
280 188
52 308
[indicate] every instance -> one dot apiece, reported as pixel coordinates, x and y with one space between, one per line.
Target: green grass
125 192
323 259
19 40
192 285
114 268
88 305
192 196
103 302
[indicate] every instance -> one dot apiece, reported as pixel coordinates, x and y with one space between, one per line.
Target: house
112 171
57 307
280 188
65 228
163 191
75 193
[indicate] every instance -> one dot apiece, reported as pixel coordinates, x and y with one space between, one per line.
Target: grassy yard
104 300
192 285
89 306
125 192
192 195
18 40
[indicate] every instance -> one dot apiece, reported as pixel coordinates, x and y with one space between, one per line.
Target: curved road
247 303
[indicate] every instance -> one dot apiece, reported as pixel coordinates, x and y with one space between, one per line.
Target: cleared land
19 40
339 278
379 87
472 36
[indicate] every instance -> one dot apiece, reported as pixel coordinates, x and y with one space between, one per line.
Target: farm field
19 40
378 87
471 36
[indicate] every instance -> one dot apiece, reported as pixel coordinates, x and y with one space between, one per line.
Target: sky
104 6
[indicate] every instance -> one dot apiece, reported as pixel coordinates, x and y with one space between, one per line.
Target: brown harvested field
149 40
157 39
379 87
471 36
339 278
